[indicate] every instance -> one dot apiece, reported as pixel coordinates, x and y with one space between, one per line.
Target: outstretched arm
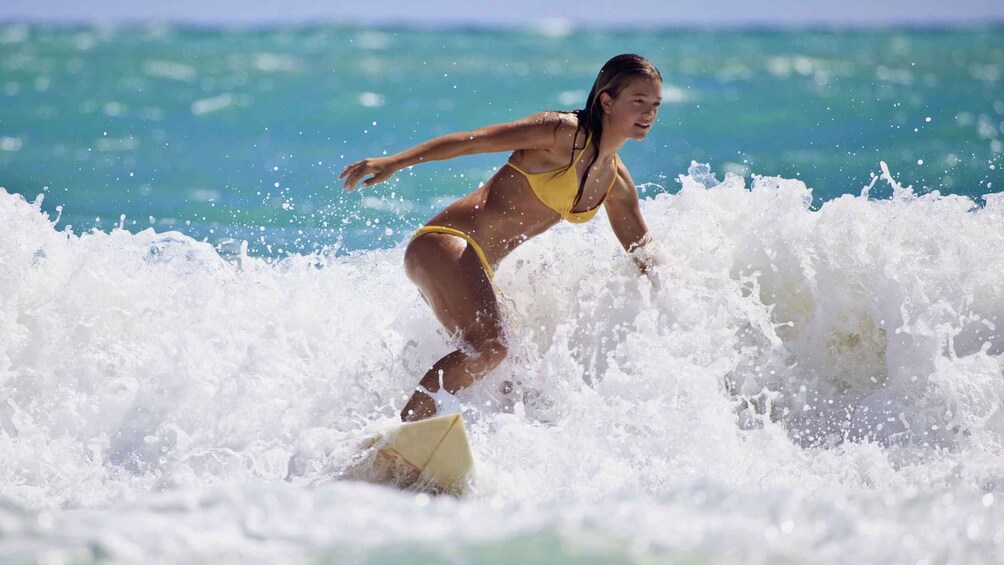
624 213
537 131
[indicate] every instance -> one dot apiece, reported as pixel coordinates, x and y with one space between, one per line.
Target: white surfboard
429 455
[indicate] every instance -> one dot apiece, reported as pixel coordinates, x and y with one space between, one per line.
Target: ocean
198 326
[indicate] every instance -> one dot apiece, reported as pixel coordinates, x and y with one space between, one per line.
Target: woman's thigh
454 283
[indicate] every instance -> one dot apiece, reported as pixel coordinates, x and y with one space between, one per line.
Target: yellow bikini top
557 189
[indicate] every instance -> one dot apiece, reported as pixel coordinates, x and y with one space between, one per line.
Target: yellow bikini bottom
470 241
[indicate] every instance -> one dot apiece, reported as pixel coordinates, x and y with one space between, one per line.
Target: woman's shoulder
560 129
564 123
560 118
623 192
569 132
568 124
624 179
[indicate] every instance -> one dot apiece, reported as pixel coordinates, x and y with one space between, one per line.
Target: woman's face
632 113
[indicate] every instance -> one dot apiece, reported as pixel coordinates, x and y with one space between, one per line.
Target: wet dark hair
612 79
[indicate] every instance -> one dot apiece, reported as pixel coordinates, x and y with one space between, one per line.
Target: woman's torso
505 211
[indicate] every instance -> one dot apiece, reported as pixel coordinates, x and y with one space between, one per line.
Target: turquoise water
231 135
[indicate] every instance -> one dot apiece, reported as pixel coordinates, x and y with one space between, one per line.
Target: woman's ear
606 101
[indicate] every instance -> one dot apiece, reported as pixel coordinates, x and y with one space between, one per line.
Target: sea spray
803 382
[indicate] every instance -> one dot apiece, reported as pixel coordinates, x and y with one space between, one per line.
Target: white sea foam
792 384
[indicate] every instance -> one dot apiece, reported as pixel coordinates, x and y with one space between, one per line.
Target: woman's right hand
380 167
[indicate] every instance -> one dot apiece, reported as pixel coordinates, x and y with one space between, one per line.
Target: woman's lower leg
454 372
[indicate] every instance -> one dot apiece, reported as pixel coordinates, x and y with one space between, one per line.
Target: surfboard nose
437 448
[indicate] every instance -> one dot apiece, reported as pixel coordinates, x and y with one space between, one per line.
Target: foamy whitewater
792 385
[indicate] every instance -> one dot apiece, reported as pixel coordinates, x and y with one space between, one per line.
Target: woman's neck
609 145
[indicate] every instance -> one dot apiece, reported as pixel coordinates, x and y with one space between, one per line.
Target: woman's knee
488 353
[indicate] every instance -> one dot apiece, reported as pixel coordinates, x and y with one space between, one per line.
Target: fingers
356 176
347 168
350 182
356 171
375 179
353 173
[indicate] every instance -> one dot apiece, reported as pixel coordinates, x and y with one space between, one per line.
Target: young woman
563 166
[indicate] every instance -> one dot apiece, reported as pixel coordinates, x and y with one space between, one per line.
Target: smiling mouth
643 126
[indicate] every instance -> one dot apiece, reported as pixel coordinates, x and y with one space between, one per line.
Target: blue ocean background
239 134
199 329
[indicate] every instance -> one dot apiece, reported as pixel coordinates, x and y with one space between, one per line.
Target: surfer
563 165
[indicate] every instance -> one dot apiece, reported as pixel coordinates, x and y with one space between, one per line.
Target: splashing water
791 383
